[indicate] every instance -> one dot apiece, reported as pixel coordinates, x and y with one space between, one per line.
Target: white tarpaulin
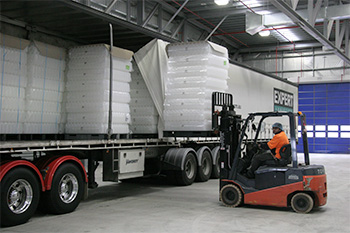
152 61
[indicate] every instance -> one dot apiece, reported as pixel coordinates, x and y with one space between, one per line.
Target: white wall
253 91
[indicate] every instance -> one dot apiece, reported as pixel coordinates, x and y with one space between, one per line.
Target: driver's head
277 127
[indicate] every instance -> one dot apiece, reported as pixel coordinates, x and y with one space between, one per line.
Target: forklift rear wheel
231 195
302 203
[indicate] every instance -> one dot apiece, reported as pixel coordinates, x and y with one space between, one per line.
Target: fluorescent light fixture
221 2
285 35
263 12
264 33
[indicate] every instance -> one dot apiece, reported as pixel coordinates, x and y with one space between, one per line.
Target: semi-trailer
56 170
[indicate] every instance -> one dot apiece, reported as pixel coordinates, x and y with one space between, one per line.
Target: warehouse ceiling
292 24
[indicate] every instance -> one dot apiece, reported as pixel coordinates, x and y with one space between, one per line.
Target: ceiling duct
256 22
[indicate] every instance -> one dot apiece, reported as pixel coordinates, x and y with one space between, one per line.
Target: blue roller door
327 109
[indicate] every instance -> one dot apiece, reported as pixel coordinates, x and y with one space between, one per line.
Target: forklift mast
229 128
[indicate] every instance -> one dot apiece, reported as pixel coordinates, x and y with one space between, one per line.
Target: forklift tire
188 175
302 203
231 195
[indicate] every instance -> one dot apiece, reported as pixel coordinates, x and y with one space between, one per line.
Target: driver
273 149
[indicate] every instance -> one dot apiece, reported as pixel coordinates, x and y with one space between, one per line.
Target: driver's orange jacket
280 139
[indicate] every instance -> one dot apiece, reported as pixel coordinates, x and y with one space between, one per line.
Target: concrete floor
155 206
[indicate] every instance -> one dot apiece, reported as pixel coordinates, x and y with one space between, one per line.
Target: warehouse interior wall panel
327 109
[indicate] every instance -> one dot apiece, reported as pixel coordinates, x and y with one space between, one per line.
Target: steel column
128 11
160 18
140 12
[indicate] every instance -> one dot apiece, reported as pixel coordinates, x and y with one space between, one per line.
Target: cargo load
45 89
88 84
144 115
195 71
13 71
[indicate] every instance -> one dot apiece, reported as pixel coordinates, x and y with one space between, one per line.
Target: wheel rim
302 203
68 188
19 196
189 168
231 196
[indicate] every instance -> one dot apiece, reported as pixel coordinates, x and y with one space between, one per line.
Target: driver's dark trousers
257 161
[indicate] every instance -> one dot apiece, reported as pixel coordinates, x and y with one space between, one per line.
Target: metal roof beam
110 6
170 8
109 18
173 17
340 12
226 11
217 26
151 14
281 47
178 28
201 26
313 11
295 17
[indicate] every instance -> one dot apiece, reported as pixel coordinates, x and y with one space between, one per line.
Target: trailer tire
302 203
231 195
20 195
188 174
204 171
215 173
67 190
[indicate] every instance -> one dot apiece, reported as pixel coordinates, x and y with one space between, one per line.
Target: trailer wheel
66 190
204 171
20 195
188 175
215 174
302 203
231 195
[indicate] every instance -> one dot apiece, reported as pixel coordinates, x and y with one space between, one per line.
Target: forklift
282 183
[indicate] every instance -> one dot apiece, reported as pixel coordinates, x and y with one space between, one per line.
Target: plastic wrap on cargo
195 70
144 115
88 90
13 80
45 89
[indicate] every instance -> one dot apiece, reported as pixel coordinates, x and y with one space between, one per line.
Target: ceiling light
221 2
264 33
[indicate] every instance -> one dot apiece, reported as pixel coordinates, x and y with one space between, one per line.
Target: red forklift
283 183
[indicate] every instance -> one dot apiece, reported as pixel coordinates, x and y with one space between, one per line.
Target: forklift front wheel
302 203
231 195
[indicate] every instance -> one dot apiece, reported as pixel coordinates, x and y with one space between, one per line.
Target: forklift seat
286 157
286 154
